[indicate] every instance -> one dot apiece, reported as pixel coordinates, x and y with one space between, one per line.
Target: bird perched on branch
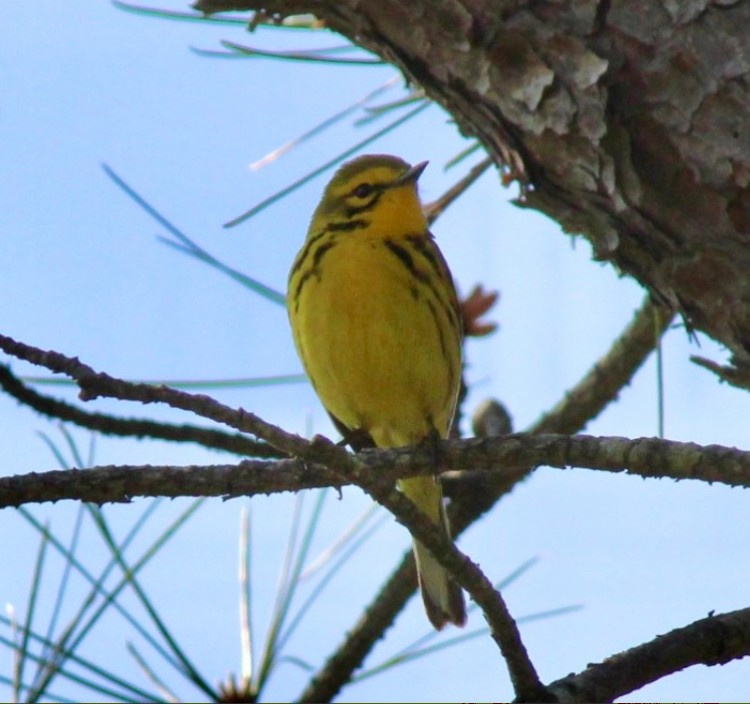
376 322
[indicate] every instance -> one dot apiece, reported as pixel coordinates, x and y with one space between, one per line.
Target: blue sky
83 273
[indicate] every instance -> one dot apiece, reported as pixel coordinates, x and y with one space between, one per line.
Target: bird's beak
412 175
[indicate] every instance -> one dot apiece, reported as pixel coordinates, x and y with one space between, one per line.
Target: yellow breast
378 333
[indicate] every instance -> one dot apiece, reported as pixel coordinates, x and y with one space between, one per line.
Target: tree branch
643 457
94 384
715 640
602 384
503 628
131 427
122 483
474 495
736 376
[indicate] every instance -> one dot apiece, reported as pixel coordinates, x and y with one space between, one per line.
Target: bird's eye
363 190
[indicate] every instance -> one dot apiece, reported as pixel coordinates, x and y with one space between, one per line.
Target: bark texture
627 120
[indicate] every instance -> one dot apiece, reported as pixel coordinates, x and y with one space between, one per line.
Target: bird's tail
443 598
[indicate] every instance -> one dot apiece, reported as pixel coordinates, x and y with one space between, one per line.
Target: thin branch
715 640
475 497
503 628
365 637
131 427
97 384
358 642
437 207
599 387
603 382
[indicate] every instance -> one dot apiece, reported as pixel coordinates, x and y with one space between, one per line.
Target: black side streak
340 226
298 290
302 258
420 243
437 301
320 253
314 270
424 245
450 306
452 371
439 328
407 260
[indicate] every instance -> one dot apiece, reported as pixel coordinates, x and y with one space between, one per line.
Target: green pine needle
324 167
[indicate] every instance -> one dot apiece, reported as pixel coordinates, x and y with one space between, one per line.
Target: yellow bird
376 322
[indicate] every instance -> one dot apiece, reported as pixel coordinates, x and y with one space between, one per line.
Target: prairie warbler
375 319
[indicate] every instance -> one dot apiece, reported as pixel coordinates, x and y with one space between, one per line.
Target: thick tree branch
643 457
715 640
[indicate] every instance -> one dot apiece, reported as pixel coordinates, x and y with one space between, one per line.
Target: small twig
738 376
437 207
